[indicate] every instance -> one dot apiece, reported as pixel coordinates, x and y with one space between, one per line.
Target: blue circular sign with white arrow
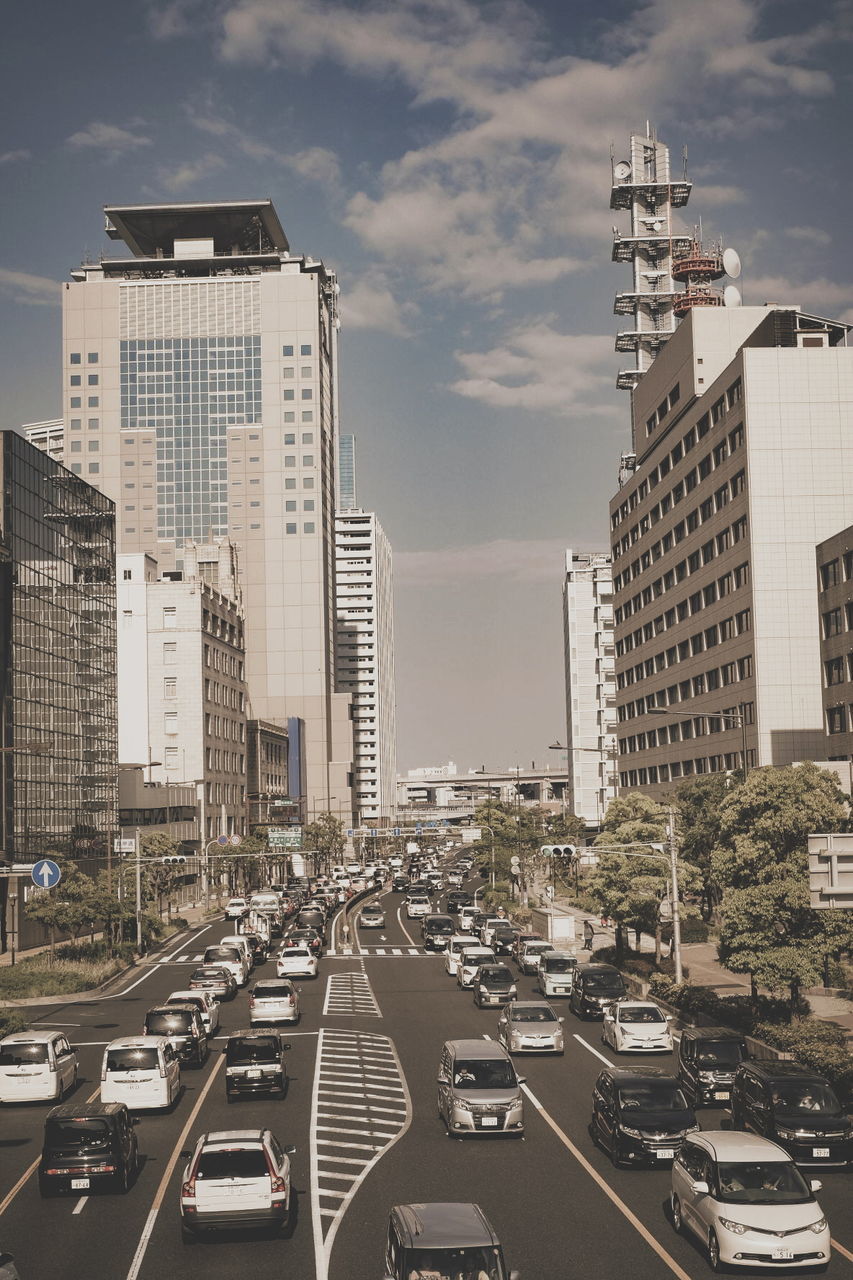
46 873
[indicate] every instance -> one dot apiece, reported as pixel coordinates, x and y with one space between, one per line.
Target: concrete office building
182 688
49 436
835 625
346 474
268 795
590 685
742 466
200 392
365 656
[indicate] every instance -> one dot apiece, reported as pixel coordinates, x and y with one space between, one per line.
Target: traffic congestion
369 1074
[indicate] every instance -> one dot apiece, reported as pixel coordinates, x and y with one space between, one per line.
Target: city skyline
477 342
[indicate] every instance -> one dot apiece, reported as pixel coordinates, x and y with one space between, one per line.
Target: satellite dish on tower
622 171
731 263
731 296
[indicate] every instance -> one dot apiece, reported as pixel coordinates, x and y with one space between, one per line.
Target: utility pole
676 914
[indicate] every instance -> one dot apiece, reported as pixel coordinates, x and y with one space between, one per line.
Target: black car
258 947
254 1063
595 986
400 883
640 1116
708 1058
312 938
445 1239
437 932
503 936
457 899
797 1108
88 1145
182 1026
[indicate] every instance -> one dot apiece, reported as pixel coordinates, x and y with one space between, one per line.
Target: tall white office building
590 684
49 436
365 656
200 393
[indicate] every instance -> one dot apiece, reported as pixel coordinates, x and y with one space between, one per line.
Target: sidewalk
193 915
700 961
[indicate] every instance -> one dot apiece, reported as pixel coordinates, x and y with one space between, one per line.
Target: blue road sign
46 874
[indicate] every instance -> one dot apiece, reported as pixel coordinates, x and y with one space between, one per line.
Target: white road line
403 927
588 1046
80 1205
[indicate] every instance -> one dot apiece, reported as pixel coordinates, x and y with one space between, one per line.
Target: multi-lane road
361 1111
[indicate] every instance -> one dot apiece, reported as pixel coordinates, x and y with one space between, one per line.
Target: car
503 937
235 1178
88 1145
395 861
530 1026
36 1066
311 938
231 958
236 908
530 954
143 1072
469 962
467 915
204 1001
595 986
556 973
442 1239
400 882
371 916
220 982
640 1116
259 946
488 927
273 1000
8 1270
182 1026
636 1026
456 944
493 984
520 940
255 1063
455 877
456 900
417 906
707 1060
297 962
748 1203
478 1089
436 932
796 1107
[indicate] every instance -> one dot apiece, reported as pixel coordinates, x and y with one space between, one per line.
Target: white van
36 1066
241 942
228 957
140 1071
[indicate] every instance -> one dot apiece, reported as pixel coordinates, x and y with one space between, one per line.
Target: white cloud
812 235
372 304
13 157
511 561
817 294
540 370
109 138
33 290
314 164
181 176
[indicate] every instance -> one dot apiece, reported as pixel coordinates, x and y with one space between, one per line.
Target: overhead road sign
46 874
285 838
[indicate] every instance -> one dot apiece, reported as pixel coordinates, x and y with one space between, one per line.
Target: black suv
503 936
258 947
182 1026
443 1239
595 986
707 1060
640 1116
458 898
400 882
795 1107
254 1063
88 1145
437 932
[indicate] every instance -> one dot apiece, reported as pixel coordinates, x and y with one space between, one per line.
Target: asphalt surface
361 1111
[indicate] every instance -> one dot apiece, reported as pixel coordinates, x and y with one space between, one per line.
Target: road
361 1112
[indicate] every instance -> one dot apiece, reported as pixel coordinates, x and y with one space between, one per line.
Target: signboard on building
830 871
285 837
470 835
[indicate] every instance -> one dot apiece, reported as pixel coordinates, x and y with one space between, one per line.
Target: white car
531 953
487 928
273 1000
748 1203
36 1066
235 1178
469 962
556 973
636 1026
456 944
417 906
204 1001
371 916
296 962
236 908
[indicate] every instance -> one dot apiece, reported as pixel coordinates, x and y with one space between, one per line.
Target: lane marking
80 1205
841 1249
403 927
147 1230
588 1046
28 1173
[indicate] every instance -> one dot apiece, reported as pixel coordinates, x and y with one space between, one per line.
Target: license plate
489 1122
723 1095
254 1075
79 1184
820 1153
782 1254
561 990
665 1153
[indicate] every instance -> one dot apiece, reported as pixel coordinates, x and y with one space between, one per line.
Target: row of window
92 380
76 357
219 761
219 661
727 762
710 722
216 726
688 442
830 573
224 695
689 605
714 678
836 620
668 403
76 424
92 402
304 350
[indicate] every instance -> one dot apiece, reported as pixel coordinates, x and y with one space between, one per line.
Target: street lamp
736 719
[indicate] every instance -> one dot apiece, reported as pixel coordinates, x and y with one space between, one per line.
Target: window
290 505
170 687
93 402
308 460
743 621
170 653
170 722
92 357
307 415
288 394
834 671
305 349
290 528
76 402
836 719
94 469
290 417
76 446
94 446
309 526
287 351
831 623
829 575
170 618
94 423
288 372
741 575
76 380
92 380
76 357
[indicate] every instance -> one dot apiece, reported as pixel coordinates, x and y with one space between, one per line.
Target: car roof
138 1042
181 1008
233 1137
476 1048
444 1225
732 1145
30 1037
189 996
711 1033
254 1033
625 1075
781 1070
532 1004
85 1110
596 967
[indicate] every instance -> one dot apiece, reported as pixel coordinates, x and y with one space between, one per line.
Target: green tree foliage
699 805
517 831
769 930
159 880
326 835
72 907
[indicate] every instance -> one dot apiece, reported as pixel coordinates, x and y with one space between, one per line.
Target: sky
450 160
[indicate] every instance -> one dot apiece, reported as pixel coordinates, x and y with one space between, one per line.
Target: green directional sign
285 837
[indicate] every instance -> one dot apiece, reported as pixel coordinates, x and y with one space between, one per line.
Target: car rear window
77 1133
143 1059
170 1022
248 1162
200 975
273 991
21 1055
241 1053
222 953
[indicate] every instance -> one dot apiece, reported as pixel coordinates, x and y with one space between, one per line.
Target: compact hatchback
530 1026
87 1146
469 962
371 916
636 1026
556 973
36 1066
141 1071
456 944
182 1026
296 962
204 1001
531 953
748 1203
235 1178
493 984
220 982
417 906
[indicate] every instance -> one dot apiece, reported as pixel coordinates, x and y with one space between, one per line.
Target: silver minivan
478 1090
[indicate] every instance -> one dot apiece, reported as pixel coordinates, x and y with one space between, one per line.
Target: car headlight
513 992
462 1105
630 1132
818 1226
737 1228
791 1135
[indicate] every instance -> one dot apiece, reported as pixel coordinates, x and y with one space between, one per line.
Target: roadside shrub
38 977
12 1020
694 930
816 1044
641 963
731 1011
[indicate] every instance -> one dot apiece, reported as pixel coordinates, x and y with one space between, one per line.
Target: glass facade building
57 658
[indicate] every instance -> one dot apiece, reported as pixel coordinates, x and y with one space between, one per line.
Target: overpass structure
454 797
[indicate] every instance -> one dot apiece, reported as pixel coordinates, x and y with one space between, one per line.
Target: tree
326 835
761 859
159 879
698 803
69 908
512 831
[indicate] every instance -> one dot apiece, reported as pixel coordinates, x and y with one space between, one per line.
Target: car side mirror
290 1151
185 1155
561 1019
815 1184
700 1188
286 1045
515 1275
521 1079
134 1120
442 1080
670 1017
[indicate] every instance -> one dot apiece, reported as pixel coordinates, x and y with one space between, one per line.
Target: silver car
272 1001
530 1026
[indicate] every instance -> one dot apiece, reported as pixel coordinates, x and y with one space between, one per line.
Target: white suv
747 1202
235 1178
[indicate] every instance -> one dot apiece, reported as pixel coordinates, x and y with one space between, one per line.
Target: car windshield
652 1095
489 1073
800 1098
222 953
440 926
720 1053
273 991
604 984
20 1055
559 964
495 978
641 1015
536 1013
773 1182
247 1162
242 1053
173 1022
142 1059
77 1134
296 953
453 1264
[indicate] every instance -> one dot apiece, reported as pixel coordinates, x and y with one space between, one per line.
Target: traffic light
559 851
173 860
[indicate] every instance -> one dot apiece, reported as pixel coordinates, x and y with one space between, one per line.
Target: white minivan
228 957
241 942
141 1071
36 1066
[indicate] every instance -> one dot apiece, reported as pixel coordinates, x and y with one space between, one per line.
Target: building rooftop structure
235 227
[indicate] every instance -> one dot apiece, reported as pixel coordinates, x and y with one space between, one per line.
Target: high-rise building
742 467
365 651
199 386
590 685
57 659
49 436
834 623
347 500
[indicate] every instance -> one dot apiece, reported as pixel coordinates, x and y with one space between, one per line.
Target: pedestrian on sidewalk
588 935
